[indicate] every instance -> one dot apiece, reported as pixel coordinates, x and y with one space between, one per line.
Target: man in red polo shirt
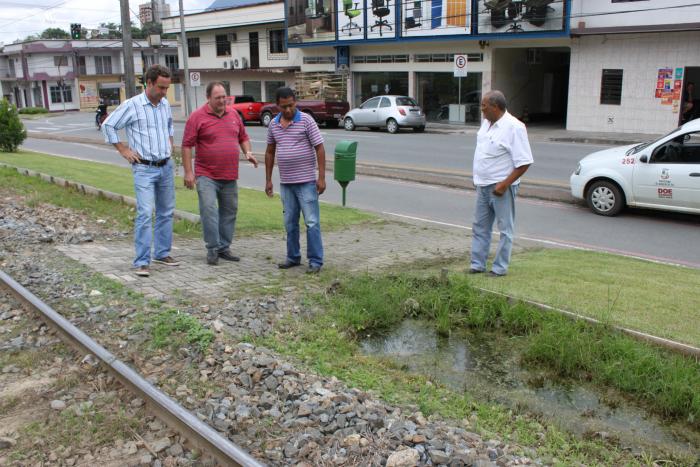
215 133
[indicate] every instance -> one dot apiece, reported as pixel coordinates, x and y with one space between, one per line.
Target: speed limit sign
460 65
195 79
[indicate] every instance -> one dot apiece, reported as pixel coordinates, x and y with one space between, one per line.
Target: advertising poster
311 21
435 17
668 84
508 16
679 73
666 73
677 85
351 19
381 16
666 101
660 83
88 93
658 93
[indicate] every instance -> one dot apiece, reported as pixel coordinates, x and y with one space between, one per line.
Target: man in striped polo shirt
216 133
149 127
295 140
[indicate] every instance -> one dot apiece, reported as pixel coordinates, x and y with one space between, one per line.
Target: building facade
409 47
74 74
630 62
243 47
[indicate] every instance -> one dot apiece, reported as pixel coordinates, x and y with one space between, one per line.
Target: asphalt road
453 153
646 234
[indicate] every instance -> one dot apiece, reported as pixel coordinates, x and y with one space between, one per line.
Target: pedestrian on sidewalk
501 157
216 134
295 140
148 121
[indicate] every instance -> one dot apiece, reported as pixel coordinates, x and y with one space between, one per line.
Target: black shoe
228 256
495 274
212 258
313 269
475 271
288 264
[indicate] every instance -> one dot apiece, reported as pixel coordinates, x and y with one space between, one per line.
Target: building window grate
380 58
318 60
445 58
611 87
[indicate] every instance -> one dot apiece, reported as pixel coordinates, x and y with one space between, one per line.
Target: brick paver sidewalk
359 248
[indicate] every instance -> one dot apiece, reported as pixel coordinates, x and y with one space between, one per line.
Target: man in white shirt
501 157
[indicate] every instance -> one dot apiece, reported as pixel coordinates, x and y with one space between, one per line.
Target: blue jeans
155 189
490 207
218 206
302 197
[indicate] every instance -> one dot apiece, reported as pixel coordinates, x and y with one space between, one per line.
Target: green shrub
12 132
33 110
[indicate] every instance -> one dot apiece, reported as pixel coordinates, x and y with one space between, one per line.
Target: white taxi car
662 174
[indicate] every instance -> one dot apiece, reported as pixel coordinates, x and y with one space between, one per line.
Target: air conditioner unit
226 64
236 64
244 62
232 37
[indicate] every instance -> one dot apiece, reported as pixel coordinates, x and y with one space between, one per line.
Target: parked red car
328 112
246 106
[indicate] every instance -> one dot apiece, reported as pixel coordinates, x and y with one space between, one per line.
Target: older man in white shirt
501 157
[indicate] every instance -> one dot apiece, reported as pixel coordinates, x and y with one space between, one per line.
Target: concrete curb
91 190
462 180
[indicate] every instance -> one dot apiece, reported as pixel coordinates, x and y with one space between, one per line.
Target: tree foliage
54 33
12 132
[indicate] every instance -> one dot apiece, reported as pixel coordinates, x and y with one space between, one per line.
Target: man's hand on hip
129 155
321 186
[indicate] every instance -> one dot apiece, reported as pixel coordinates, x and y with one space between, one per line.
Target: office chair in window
351 13
498 12
536 13
380 9
414 21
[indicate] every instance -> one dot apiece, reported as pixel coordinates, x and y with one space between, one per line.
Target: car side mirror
644 159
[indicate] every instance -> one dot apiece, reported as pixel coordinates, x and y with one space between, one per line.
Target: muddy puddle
487 366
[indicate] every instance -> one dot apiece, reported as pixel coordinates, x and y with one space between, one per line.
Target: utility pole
129 78
186 81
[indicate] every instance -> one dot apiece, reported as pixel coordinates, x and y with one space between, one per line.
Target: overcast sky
20 18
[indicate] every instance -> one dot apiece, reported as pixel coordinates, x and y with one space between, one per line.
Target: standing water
487 366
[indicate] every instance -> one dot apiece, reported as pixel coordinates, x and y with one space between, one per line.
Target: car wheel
348 124
605 198
419 129
266 118
392 126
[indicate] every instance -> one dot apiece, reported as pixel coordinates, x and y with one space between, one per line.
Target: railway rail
179 419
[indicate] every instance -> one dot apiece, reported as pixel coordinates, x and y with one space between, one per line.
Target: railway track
201 435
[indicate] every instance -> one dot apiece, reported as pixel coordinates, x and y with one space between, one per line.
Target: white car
662 174
390 112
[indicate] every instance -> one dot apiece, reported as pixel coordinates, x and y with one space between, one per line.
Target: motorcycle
100 115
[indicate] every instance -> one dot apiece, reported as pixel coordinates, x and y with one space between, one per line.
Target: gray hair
496 98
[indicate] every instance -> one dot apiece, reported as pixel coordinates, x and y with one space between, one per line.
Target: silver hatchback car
390 112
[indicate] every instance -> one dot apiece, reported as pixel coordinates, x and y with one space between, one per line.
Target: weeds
173 328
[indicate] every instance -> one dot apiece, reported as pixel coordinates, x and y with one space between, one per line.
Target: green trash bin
344 163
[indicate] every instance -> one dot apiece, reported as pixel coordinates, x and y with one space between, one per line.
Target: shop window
223 46
55 92
252 88
271 88
193 46
611 87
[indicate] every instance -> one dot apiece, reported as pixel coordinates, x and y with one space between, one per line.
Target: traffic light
75 31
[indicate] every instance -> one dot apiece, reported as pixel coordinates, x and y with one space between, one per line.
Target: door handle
695 174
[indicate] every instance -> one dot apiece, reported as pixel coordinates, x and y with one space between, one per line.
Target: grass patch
173 328
328 343
256 212
666 382
655 298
